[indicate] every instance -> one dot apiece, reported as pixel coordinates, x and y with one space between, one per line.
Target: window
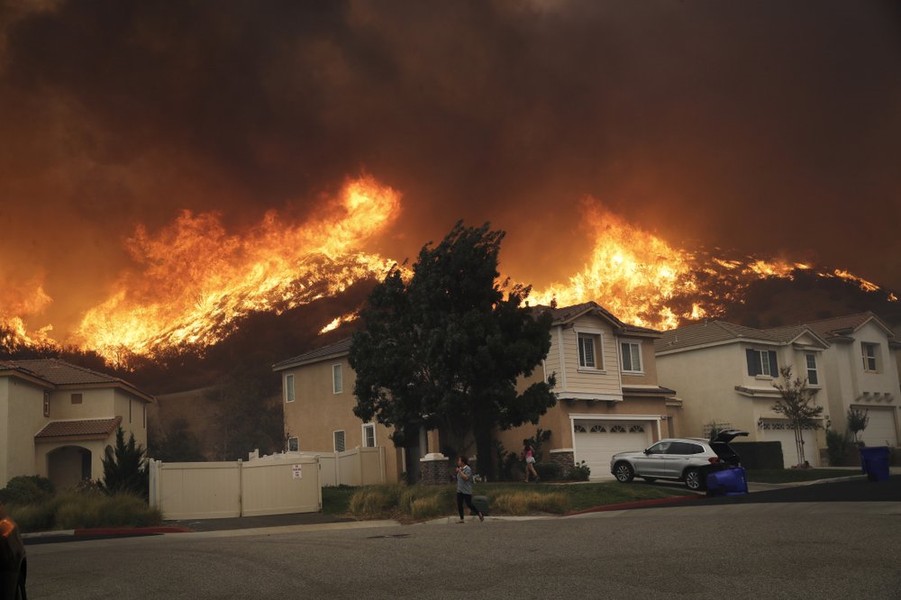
368 435
289 388
589 345
762 362
631 356
870 353
130 403
46 404
659 448
76 398
339 441
811 360
293 444
684 448
337 379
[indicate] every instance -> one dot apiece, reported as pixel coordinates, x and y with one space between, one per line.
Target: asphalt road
735 550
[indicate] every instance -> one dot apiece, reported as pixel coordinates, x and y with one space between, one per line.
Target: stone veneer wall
435 470
566 459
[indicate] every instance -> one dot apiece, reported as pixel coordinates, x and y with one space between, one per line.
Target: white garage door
880 429
789 451
596 441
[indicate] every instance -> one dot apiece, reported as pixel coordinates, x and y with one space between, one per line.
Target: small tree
125 468
857 422
796 404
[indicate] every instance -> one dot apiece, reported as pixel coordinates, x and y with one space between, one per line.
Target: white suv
682 459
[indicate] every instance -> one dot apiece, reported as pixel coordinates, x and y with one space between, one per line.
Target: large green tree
446 347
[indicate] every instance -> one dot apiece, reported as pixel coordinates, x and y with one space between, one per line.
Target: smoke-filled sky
771 127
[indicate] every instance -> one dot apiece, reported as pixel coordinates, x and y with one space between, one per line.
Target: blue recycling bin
874 461
731 481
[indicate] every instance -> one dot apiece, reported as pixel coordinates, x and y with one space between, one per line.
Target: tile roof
711 332
339 348
100 428
844 325
59 372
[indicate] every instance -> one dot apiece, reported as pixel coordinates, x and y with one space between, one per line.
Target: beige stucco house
56 419
861 371
608 397
724 374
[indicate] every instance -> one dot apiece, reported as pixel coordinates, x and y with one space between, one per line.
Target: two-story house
861 372
724 374
57 419
317 391
606 384
608 397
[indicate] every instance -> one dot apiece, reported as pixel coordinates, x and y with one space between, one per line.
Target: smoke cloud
770 127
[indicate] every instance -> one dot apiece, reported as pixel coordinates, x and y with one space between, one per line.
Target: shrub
73 510
524 503
549 471
33 517
579 472
26 489
839 446
375 501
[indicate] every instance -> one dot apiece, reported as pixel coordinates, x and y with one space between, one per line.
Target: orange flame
630 272
197 278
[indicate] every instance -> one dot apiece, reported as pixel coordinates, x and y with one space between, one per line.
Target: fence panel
281 486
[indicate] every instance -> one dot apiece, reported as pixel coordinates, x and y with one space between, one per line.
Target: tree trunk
485 449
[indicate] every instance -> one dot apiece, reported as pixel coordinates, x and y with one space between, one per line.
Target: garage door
596 441
880 429
779 432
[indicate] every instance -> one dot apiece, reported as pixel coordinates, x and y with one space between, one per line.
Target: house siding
602 383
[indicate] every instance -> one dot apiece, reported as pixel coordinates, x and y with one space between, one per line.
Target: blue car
13 564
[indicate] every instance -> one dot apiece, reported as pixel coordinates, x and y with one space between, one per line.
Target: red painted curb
637 504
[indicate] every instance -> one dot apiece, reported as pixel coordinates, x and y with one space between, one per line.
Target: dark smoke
772 127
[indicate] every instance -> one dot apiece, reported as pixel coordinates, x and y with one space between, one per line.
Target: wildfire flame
197 278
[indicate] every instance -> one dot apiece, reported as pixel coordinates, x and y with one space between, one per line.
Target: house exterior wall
851 385
22 409
317 412
573 380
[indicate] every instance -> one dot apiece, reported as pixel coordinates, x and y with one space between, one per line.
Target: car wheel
693 480
623 472
650 479
20 589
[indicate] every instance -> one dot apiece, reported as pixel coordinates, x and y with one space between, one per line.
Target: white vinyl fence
278 484
360 466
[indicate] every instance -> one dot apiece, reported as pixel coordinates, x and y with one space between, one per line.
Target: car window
659 448
685 448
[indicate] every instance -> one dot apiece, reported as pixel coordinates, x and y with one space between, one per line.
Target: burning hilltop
195 280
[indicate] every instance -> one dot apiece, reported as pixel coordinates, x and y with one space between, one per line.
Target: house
608 397
57 419
317 391
724 374
609 400
861 372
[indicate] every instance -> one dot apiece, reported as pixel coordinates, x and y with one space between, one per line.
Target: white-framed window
762 362
590 352
369 435
339 439
337 379
631 352
870 354
46 404
293 444
810 361
289 387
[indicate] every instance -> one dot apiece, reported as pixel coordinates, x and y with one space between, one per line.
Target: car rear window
684 448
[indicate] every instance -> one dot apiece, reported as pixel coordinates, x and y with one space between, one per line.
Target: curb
71 535
638 504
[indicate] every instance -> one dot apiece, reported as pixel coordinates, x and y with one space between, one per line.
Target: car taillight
714 459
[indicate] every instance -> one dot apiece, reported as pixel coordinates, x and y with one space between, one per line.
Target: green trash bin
874 460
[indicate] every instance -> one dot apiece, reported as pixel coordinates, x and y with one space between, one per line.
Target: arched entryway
69 465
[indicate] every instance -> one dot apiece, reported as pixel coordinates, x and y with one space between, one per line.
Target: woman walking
464 488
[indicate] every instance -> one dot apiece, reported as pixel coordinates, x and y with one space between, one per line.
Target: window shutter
752 362
774 368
